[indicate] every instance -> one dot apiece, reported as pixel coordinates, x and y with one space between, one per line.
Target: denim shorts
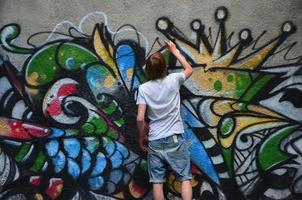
172 151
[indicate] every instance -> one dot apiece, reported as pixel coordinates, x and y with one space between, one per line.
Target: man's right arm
183 61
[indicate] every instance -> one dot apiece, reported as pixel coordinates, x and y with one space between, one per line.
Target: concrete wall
68 80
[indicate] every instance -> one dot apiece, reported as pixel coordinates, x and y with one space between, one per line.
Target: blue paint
108 145
116 159
52 147
126 178
92 144
59 162
96 183
136 82
187 116
96 75
125 59
85 160
199 156
72 147
122 149
100 164
110 187
73 168
70 62
115 176
56 133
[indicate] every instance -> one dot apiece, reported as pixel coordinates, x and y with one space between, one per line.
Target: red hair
156 66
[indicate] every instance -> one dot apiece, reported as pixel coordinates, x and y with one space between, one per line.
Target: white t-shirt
163 105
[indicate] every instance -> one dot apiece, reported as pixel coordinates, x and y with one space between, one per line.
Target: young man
160 97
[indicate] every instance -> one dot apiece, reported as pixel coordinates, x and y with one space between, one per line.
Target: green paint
226 126
242 107
270 153
217 85
100 125
72 131
144 166
23 151
41 69
72 56
257 86
111 108
242 81
228 158
120 122
88 128
230 78
112 134
39 162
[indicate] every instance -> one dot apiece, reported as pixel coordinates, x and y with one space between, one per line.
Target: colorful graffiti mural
67 117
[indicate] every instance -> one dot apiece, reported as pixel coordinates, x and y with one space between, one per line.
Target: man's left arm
140 121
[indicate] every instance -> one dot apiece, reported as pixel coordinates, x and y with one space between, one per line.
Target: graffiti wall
68 113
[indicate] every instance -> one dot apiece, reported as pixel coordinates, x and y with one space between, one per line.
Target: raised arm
183 61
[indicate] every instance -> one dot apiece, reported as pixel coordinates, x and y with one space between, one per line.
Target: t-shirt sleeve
140 97
179 77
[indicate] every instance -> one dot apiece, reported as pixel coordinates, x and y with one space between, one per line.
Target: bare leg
158 193
186 190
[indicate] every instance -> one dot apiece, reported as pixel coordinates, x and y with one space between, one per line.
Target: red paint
195 170
21 130
55 188
35 180
137 190
66 90
54 108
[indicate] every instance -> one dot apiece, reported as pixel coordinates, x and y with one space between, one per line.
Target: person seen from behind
160 98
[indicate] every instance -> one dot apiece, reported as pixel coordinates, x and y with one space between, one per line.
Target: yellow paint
173 184
255 60
132 189
226 60
242 122
109 81
32 79
110 49
59 189
119 195
32 91
129 73
43 76
264 111
222 107
98 85
4 128
102 51
201 79
194 182
38 196
213 132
